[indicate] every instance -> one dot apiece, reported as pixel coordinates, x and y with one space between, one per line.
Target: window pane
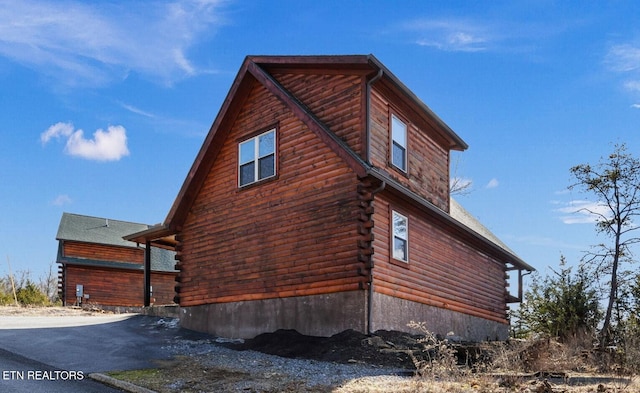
398 157
266 144
247 173
266 167
247 151
399 226
399 249
398 131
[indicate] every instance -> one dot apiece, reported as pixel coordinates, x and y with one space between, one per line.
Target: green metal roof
97 230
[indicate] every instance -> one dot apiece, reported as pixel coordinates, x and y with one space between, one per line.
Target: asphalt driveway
80 345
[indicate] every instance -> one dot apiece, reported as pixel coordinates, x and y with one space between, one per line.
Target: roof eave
159 235
457 143
445 218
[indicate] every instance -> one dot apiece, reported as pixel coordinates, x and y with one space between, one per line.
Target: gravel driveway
73 339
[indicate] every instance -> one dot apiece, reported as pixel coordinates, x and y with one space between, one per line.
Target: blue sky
104 105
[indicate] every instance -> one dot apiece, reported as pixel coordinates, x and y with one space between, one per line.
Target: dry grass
482 384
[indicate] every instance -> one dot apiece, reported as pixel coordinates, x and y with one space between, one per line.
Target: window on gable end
398 143
257 158
400 241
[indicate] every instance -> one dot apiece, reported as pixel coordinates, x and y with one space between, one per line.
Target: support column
147 274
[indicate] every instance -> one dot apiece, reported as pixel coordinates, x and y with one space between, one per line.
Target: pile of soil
384 348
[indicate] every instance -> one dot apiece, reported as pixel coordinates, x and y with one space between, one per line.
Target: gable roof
105 231
97 230
258 69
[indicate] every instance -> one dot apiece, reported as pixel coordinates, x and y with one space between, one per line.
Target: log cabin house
320 202
97 266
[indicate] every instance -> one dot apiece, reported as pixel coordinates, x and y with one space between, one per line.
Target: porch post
147 273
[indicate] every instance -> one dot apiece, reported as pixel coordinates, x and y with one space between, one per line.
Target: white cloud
460 183
110 145
136 110
544 241
94 43
493 183
632 85
56 131
61 200
582 212
623 58
450 35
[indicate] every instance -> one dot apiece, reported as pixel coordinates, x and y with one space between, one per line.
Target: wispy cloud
61 200
493 183
582 212
460 185
137 111
109 145
545 241
94 43
450 34
624 59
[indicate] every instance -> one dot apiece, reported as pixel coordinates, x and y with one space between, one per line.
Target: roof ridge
106 218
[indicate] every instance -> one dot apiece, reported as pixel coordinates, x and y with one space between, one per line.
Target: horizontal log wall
103 252
442 270
163 285
335 99
428 158
116 287
292 235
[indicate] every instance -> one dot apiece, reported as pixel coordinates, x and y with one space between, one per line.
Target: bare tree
459 185
49 282
615 182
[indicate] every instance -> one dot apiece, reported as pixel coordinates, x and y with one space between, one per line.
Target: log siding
442 270
291 236
116 287
321 225
427 158
335 99
103 252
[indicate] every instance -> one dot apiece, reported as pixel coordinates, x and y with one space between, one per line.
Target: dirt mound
384 349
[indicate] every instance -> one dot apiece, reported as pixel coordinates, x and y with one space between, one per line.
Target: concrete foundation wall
318 315
391 313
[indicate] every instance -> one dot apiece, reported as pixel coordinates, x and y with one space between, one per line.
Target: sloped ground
286 361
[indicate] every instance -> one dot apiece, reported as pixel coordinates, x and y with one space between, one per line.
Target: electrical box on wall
79 290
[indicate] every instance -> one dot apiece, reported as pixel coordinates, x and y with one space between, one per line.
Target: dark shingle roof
463 216
97 230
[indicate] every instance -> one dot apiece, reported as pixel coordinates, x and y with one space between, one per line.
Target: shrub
438 357
31 295
563 305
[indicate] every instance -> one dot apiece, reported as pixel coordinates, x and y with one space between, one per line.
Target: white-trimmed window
257 158
400 242
398 143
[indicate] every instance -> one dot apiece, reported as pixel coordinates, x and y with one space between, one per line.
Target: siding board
428 156
442 271
292 235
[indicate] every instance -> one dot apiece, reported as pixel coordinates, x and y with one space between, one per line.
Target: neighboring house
320 202
98 266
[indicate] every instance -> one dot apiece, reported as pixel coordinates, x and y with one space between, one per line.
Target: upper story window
399 143
257 158
400 242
